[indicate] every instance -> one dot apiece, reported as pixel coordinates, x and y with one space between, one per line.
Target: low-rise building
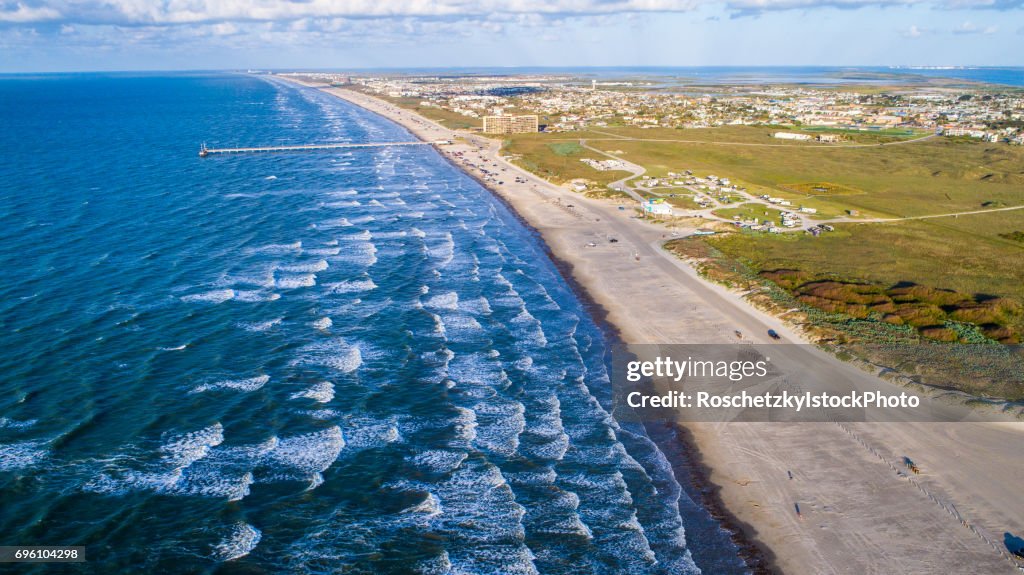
790 136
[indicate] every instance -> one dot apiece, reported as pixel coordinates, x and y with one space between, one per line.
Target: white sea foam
464 328
260 325
176 348
362 236
365 433
438 461
213 296
545 477
343 193
390 235
270 178
500 424
6 423
296 281
443 251
256 296
464 425
185 449
309 453
362 253
327 251
239 542
334 353
476 306
447 300
245 385
22 454
322 392
430 506
344 204
264 279
309 267
322 324
351 286
237 492
335 223
278 248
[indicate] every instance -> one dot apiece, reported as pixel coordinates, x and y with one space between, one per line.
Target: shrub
939 333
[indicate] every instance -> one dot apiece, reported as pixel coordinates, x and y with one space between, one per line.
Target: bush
939 333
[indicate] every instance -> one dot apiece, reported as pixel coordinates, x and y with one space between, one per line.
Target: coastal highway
857 514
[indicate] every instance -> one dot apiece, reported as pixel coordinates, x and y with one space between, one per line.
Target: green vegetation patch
944 354
750 211
822 189
566 148
557 161
929 310
1014 236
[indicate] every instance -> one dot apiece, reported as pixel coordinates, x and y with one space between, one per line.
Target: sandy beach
856 514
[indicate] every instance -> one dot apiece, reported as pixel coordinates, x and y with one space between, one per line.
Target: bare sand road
856 513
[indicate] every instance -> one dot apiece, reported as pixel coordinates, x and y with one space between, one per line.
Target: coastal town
566 104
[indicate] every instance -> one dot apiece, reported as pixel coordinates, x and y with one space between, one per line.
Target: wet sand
856 514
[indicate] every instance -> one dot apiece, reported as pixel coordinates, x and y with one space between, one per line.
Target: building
505 124
657 207
790 136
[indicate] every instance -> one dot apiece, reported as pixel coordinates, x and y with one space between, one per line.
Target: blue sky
72 35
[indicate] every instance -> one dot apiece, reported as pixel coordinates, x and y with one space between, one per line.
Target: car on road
773 334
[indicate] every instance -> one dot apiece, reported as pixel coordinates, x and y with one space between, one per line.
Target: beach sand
857 515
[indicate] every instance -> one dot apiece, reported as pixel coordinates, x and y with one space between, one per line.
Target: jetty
204 151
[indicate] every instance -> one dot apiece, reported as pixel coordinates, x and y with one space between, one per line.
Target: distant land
1009 76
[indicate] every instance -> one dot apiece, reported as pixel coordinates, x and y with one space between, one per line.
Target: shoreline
740 468
679 447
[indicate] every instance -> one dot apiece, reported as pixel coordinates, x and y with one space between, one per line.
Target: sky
86 35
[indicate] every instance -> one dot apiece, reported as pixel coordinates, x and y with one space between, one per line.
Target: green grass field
979 255
557 160
749 212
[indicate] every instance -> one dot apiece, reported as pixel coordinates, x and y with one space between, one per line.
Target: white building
657 208
790 136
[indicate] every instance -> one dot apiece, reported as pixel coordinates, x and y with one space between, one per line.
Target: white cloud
21 14
168 12
971 28
913 32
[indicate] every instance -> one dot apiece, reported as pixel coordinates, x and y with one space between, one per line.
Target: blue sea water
349 361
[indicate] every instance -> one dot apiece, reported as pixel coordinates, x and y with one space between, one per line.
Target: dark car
773 334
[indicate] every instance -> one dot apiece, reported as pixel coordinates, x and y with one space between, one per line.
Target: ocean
348 361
